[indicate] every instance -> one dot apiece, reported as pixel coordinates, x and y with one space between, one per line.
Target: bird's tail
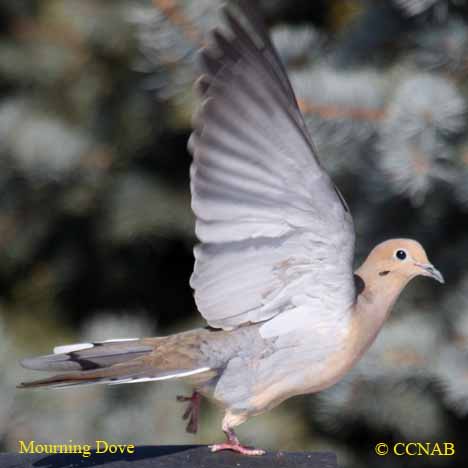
113 362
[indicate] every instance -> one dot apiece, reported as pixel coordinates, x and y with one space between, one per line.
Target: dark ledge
176 456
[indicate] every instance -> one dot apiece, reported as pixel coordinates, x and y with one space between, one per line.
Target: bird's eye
400 254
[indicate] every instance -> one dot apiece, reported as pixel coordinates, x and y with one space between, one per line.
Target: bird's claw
250 451
192 411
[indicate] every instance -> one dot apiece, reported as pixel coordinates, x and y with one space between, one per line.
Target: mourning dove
273 272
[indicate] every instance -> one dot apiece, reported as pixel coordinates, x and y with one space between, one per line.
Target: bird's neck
373 307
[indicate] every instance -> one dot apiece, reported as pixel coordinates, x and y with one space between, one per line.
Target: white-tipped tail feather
81 346
177 375
113 362
126 380
72 348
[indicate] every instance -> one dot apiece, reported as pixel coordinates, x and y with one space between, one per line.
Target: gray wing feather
275 233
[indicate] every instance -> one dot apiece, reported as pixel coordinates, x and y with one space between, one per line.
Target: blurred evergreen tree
95 108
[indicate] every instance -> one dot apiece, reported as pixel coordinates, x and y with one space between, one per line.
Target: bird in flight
273 273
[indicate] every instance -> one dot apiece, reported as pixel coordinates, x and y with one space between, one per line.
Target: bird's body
273 272
242 372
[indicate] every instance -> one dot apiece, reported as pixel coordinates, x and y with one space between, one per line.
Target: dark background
96 232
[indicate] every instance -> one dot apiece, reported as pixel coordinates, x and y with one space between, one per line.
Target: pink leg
233 444
192 411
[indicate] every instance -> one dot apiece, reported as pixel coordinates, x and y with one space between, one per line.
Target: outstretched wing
277 238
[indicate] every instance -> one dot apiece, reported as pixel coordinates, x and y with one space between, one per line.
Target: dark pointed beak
431 271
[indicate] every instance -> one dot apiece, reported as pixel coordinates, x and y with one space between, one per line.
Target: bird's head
398 261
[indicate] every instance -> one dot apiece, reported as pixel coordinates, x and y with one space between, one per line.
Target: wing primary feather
257 25
268 215
241 46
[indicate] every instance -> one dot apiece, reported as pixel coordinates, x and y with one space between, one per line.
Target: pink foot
192 411
232 443
237 448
